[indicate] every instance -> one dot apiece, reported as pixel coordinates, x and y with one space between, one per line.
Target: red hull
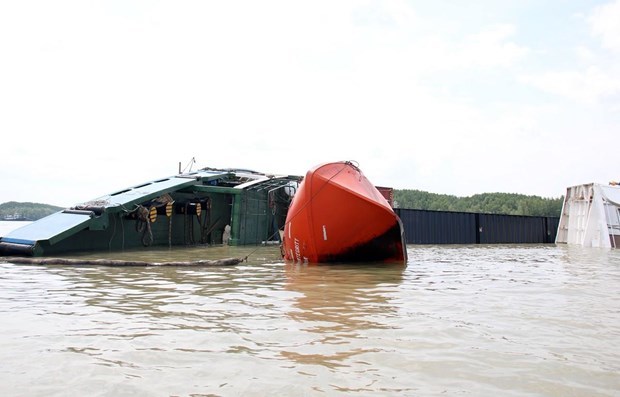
337 215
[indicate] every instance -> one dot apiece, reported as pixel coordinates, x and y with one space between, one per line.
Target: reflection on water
336 304
473 320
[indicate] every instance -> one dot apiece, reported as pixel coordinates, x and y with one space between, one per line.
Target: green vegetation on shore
489 203
26 211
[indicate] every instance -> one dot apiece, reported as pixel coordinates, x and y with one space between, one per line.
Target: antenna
189 165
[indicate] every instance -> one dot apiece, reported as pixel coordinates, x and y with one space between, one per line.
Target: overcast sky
455 97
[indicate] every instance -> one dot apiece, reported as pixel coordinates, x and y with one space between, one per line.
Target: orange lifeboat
337 215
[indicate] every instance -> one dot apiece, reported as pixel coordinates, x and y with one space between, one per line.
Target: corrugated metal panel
443 227
51 228
552 225
253 217
150 190
511 229
438 227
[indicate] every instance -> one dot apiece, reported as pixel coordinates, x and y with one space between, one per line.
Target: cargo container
447 227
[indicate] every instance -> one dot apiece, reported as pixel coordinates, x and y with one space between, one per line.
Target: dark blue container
446 227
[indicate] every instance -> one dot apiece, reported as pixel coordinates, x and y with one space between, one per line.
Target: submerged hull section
206 207
337 215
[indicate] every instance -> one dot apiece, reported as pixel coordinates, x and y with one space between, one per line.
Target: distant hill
488 203
13 210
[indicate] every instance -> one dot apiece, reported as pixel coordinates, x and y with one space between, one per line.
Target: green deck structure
184 209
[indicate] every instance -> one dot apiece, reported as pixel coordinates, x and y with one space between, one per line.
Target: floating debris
119 263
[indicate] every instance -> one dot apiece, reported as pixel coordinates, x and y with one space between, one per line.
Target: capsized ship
337 215
591 216
208 206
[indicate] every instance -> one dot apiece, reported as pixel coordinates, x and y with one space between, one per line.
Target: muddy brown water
458 320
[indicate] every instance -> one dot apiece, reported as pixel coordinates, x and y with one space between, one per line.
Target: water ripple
476 320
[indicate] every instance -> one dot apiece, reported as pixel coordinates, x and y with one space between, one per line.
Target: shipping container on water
447 227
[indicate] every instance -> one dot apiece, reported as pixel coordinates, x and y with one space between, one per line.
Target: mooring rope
143 225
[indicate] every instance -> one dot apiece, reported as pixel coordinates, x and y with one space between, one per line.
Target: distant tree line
489 203
28 211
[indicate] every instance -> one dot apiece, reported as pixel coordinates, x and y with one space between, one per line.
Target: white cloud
589 86
594 80
491 48
119 92
585 54
605 24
